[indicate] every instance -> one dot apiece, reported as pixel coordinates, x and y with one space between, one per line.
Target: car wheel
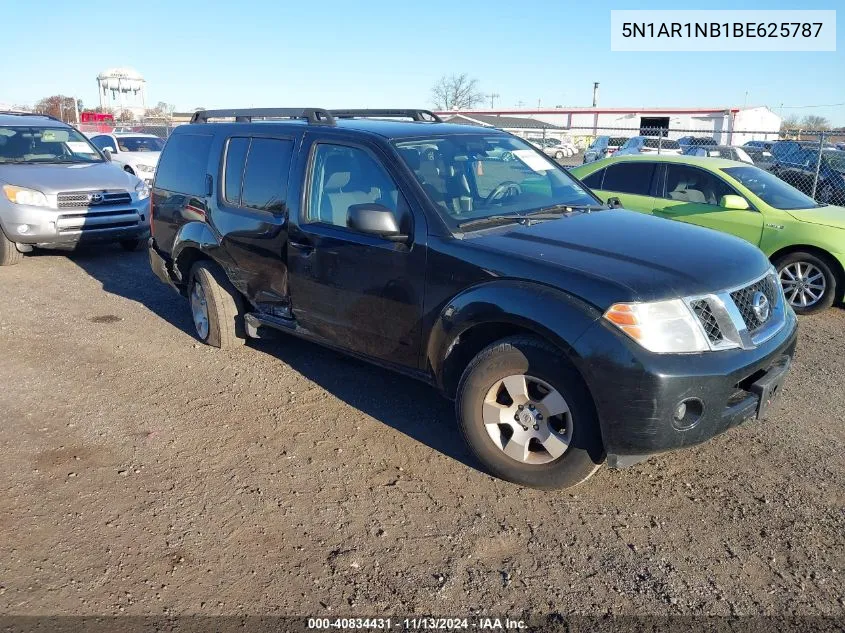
128 170
9 253
216 307
809 282
527 416
558 155
827 194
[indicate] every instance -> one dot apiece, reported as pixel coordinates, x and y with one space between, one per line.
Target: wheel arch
821 253
495 310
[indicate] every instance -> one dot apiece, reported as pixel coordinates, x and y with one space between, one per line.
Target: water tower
122 89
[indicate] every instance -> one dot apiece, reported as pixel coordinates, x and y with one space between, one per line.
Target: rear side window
593 181
265 179
236 149
184 164
629 178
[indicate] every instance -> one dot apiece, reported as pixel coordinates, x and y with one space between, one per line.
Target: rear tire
575 451
558 155
223 323
809 266
9 253
130 245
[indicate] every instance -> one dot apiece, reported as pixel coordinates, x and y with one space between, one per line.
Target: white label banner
682 30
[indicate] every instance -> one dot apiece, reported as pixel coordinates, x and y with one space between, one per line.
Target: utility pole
493 96
520 103
595 93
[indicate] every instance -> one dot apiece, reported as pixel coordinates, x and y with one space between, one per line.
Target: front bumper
637 393
46 226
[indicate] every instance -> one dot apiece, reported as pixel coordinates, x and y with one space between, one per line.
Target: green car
804 240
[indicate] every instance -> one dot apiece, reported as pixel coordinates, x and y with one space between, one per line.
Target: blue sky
389 54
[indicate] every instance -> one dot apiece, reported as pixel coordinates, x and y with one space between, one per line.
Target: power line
824 105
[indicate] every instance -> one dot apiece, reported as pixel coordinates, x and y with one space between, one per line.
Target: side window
265 180
102 142
344 176
689 184
233 169
629 178
184 164
593 181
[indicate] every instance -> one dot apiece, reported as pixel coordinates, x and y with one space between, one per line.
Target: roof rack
314 116
46 116
415 114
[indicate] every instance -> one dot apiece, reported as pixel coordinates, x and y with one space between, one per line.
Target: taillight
610 150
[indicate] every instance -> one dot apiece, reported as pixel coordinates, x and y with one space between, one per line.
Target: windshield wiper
567 208
526 219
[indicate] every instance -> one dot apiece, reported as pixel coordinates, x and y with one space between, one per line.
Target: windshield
45 145
139 143
771 189
836 159
473 176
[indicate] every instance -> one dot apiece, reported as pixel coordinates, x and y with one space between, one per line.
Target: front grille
85 199
744 300
708 320
75 223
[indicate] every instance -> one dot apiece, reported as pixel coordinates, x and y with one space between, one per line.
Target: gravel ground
143 473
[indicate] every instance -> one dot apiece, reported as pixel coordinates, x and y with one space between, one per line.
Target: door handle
305 249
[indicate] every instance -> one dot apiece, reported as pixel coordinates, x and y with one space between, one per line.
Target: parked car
553 147
602 147
718 151
697 141
805 241
137 153
649 145
767 145
801 166
565 331
762 158
58 189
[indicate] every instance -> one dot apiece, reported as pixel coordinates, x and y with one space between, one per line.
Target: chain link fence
158 127
812 161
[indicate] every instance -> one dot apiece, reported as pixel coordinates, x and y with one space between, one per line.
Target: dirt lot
143 473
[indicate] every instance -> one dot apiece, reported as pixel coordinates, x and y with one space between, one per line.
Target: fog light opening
23 229
687 413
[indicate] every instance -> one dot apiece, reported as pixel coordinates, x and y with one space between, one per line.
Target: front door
361 292
691 194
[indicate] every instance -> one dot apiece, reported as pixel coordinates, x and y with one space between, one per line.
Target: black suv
567 333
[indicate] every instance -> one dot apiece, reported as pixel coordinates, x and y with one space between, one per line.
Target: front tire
216 307
527 415
9 253
558 155
810 282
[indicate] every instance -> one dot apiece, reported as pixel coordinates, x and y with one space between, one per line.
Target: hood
57 178
618 255
825 216
145 158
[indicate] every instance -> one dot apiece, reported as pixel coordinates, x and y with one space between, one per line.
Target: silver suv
56 188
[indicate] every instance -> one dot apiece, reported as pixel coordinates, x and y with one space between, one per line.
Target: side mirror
614 203
734 202
374 219
107 152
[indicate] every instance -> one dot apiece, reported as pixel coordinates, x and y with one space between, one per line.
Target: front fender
552 314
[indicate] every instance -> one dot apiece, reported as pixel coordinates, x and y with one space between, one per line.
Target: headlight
663 327
142 190
20 195
147 168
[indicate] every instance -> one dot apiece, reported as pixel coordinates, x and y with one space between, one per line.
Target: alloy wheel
199 310
803 284
527 419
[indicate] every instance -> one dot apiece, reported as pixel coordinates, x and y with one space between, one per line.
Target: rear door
251 215
358 291
632 182
691 194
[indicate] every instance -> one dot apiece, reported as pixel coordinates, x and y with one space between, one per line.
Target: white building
123 89
728 125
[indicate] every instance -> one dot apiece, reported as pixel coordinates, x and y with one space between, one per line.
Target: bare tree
792 122
815 122
59 106
456 92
